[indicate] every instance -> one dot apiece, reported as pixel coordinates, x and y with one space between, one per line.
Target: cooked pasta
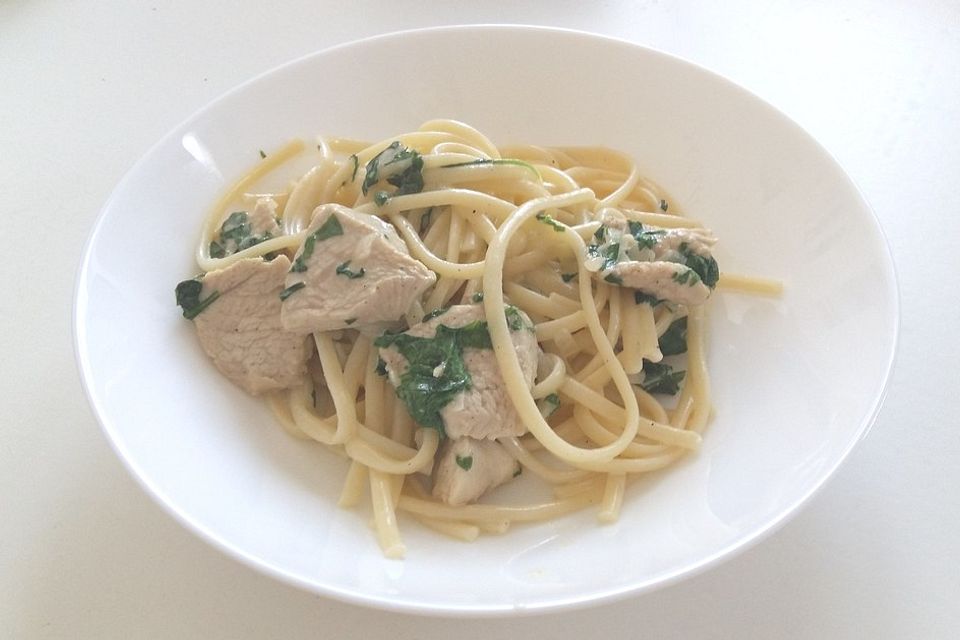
542 251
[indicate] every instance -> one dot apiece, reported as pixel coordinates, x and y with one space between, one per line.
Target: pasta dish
449 315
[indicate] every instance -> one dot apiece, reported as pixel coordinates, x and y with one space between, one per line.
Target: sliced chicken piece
353 270
669 281
240 327
669 264
466 468
482 409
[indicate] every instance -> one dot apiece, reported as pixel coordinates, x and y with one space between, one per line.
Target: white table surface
86 88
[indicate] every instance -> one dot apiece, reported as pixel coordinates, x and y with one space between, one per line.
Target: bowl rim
398 603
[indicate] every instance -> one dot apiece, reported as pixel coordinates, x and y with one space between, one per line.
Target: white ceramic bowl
797 381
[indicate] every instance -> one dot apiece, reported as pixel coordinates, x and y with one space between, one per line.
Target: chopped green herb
664 206
515 320
424 393
674 339
188 297
477 297
381 197
372 176
645 239
329 229
494 161
296 286
661 378
688 277
344 270
639 297
475 335
465 462
407 175
410 180
549 405
381 367
188 292
425 221
300 263
610 254
262 154
613 278
217 250
235 226
546 219
349 321
251 241
600 234
518 471
567 277
704 266
356 166
436 312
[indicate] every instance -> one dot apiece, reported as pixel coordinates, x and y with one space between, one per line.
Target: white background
86 88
